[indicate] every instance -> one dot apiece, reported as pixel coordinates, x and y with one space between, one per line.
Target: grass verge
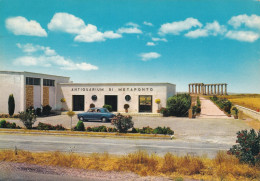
222 167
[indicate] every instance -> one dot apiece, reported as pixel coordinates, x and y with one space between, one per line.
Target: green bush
164 130
122 123
164 111
134 130
46 110
80 126
109 107
198 101
44 126
194 110
3 124
234 111
198 110
179 105
11 105
38 111
28 118
247 150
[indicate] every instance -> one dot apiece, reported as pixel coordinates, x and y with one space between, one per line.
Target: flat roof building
34 89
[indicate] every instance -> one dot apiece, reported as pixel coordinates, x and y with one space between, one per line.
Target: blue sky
176 41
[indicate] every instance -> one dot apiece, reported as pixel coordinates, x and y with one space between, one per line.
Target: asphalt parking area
190 130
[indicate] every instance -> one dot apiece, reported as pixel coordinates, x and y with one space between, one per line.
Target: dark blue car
96 114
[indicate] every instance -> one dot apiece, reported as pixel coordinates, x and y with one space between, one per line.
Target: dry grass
251 101
223 167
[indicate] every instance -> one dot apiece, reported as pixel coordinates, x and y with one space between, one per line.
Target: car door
98 114
90 114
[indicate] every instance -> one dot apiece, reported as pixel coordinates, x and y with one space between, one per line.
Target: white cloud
47 58
69 23
30 48
149 56
132 28
252 21
197 33
147 23
247 36
132 24
21 26
178 26
213 29
159 39
65 22
150 44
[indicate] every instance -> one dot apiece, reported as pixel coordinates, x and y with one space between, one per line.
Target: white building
34 89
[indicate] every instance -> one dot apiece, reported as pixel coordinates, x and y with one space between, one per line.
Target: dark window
48 82
33 81
94 97
127 98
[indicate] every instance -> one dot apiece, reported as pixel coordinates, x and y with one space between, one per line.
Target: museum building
35 89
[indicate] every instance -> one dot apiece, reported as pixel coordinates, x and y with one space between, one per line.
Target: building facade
32 89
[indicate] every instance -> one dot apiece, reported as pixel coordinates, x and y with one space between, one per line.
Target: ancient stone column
195 88
189 88
199 86
215 87
218 89
208 89
221 89
192 89
211 89
225 89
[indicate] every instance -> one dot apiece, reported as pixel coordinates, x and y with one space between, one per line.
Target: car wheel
104 119
81 118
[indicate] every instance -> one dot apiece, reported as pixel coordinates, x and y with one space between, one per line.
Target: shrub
164 111
179 105
80 126
28 118
234 111
109 107
164 130
194 110
134 130
3 124
126 106
122 123
46 110
38 111
11 105
44 126
146 130
198 110
10 125
247 150
198 101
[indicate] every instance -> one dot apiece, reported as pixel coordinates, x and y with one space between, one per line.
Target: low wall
249 112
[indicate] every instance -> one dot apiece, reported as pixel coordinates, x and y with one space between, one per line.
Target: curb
168 137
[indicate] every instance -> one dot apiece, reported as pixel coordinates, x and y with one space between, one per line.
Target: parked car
96 114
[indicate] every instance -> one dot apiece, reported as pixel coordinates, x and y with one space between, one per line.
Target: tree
70 114
11 104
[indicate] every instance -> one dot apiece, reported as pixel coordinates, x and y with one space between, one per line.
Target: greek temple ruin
208 89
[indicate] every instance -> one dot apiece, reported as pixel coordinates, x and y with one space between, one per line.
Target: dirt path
210 110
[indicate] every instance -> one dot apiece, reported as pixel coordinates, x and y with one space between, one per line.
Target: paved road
113 146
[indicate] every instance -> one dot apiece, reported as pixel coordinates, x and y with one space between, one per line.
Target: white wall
11 83
52 97
36 96
159 91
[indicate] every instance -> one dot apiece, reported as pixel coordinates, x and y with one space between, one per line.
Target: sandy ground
30 172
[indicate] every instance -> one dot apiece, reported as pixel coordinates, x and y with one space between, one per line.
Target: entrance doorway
78 102
145 103
112 101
